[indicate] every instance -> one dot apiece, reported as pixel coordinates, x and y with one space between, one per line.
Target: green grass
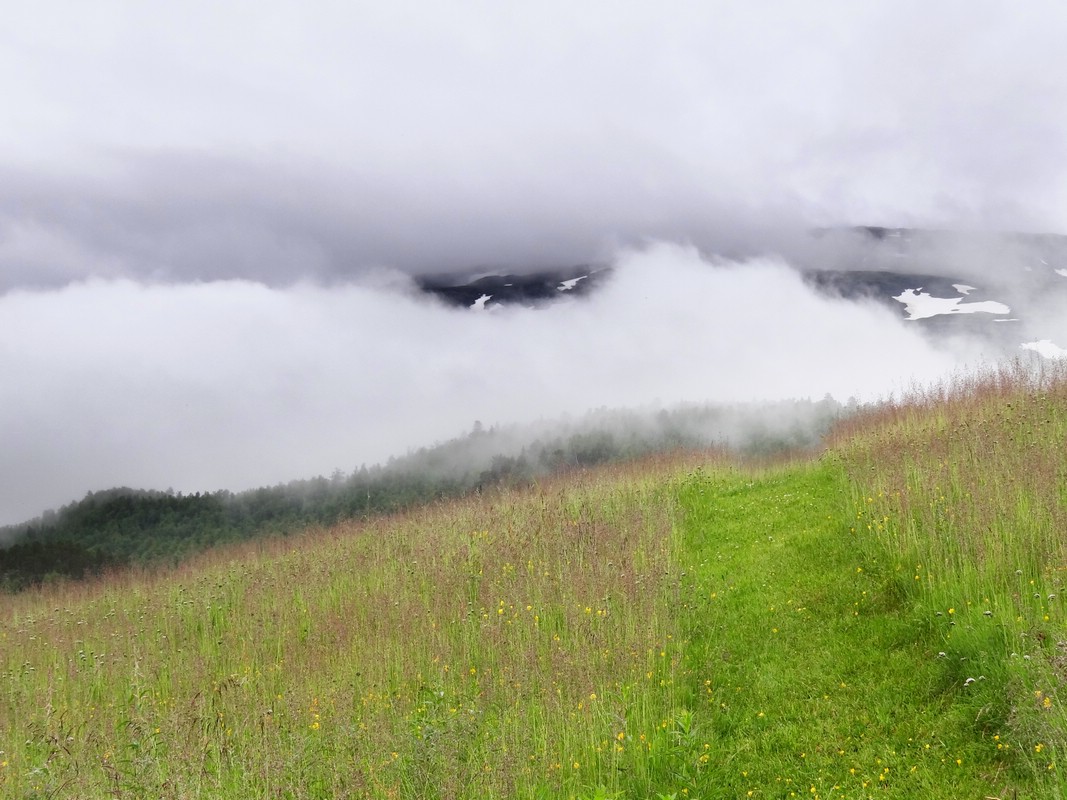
882 621
807 675
488 648
959 500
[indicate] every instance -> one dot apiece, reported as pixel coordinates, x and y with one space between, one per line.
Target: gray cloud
186 217
230 141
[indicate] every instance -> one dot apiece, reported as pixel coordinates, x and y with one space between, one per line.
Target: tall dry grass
960 500
968 479
505 645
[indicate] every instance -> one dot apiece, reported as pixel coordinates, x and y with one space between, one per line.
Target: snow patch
479 304
1062 272
566 286
920 305
1046 348
963 288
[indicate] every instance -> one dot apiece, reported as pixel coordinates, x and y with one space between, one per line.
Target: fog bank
234 384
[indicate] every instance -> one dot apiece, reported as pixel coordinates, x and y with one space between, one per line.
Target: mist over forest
120 527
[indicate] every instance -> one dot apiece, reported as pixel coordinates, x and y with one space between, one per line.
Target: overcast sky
201 204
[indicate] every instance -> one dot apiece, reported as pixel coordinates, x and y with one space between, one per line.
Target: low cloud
234 384
219 142
182 217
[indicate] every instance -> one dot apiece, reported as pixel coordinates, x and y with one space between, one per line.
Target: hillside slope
844 627
112 529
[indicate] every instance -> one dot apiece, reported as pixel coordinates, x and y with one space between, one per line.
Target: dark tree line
118 527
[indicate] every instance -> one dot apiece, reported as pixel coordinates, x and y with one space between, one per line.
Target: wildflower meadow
882 618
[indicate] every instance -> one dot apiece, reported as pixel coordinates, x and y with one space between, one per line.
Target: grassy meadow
883 619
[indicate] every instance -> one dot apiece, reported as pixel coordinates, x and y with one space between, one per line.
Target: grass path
640 634
805 679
